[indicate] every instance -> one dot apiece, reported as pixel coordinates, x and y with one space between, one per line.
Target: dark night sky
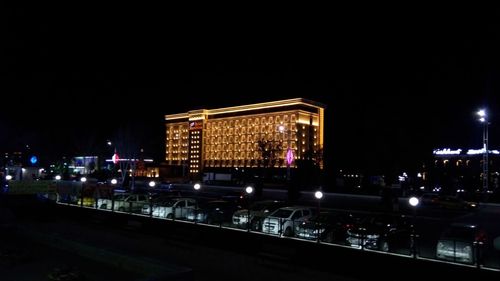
395 86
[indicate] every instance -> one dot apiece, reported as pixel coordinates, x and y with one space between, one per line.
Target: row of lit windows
459 162
176 145
177 151
176 158
171 130
253 121
236 147
247 138
238 155
255 130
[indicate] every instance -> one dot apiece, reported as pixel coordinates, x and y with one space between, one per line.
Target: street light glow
114 181
197 186
152 184
318 194
58 178
83 179
482 119
413 201
8 177
249 190
481 113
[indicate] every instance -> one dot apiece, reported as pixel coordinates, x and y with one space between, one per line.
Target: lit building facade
462 170
229 137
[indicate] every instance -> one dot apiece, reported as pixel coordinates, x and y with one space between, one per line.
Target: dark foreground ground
39 239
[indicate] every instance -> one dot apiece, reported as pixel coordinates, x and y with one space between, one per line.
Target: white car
458 243
283 220
172 208
124 202
258 211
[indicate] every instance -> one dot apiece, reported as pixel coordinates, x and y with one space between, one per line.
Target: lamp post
249 191
414 203
83 180
318 194
483 118
196 187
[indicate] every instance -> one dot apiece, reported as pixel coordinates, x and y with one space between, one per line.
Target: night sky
396 85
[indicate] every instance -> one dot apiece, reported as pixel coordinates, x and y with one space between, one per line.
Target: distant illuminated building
228 137
460 170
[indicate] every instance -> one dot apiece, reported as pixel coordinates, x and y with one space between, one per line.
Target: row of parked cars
375 232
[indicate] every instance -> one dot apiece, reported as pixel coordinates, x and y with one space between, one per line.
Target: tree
269 153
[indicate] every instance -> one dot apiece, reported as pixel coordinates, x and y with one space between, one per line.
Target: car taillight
348 226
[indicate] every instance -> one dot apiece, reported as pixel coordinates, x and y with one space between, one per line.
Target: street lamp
114 181
483 118
248 191
414 203
196 187
58 178
152 184
83 180
318 195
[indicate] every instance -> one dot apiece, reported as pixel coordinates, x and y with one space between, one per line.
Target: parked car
213 212
124 202
258 211
384 233
173 208
283 220
331 227
458 242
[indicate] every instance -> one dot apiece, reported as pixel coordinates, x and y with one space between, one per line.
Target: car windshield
325 218
457 232
120 197
282 213
261 206
167 203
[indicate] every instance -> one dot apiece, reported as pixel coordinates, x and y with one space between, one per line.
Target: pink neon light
289 156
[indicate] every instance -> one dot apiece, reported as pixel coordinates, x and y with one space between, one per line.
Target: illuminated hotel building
228 137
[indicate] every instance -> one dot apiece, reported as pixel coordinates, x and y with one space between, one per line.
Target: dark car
331 227
384 233
213 212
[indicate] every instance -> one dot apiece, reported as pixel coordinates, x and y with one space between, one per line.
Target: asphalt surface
59 242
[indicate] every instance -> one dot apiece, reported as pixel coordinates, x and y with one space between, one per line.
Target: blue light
33 159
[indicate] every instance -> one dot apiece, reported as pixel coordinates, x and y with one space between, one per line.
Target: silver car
459 242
